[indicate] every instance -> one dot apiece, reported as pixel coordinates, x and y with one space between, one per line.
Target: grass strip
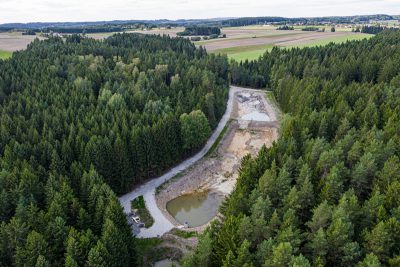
5 54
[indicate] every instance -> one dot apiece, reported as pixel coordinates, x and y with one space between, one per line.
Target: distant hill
120 25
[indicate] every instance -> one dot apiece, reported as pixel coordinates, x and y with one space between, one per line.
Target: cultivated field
14 41
241 43
250 42
160 31
251 52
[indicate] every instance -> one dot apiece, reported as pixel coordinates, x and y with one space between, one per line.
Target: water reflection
195 209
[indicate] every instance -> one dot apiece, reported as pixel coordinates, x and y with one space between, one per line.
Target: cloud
91 10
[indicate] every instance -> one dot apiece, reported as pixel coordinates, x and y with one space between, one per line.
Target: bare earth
219 171
14 41
282 38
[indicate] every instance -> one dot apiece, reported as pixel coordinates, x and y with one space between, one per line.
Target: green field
336 39
5 54
252 52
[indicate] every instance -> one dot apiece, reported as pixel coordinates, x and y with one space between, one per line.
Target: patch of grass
5 54
144 214
250 55
241 49
219 138
183 234
241 53
335 39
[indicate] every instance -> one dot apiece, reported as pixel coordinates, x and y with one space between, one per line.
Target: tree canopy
81 119
326 193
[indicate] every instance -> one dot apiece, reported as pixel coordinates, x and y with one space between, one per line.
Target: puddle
166 263
256 116
195 209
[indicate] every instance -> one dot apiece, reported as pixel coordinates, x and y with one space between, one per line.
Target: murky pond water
195 209
166 263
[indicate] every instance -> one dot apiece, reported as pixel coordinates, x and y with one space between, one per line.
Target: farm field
245 52
241 43
160 31
251 49
14 41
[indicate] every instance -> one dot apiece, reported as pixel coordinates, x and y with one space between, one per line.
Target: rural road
161 223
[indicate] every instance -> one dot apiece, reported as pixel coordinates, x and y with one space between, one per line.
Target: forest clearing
247 133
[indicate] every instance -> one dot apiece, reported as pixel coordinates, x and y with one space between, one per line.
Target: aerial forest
327 193
82 121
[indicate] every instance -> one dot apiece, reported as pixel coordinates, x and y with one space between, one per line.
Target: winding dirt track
161 223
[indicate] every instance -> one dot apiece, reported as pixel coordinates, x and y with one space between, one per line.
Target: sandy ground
14 41
219 171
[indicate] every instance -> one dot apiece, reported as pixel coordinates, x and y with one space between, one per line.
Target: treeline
327 192
80 118
285 28
373 29
77 30
200 30
310 29
304 21
260 20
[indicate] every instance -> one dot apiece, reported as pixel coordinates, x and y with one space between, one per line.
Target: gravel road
161 223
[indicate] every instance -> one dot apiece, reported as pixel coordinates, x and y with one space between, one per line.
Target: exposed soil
289 38
15 41
219 171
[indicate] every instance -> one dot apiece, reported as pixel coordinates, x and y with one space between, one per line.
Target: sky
95 10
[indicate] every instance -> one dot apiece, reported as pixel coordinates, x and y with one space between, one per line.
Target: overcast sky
92 10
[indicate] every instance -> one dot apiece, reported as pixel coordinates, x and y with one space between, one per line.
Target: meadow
5 54
251 52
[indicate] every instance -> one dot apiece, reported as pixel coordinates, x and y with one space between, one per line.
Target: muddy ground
254 124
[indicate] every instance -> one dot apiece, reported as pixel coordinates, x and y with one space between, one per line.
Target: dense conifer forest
200 30
83 120
327 193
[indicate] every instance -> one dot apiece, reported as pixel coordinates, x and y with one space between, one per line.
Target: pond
196 209
165 263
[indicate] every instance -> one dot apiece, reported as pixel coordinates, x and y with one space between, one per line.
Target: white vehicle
136 219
